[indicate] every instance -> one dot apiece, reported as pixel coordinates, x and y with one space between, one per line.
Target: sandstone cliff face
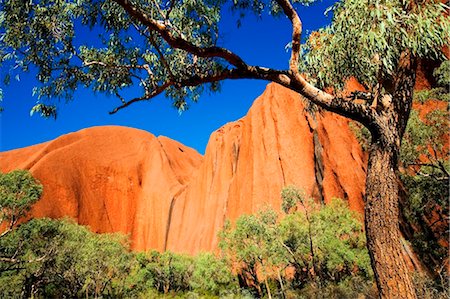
249 161
113 179
166 196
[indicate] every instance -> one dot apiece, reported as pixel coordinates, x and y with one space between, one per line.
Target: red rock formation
113 179
163 195
249 161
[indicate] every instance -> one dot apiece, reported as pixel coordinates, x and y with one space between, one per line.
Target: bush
350 288
212 275
19 190
58 258
166 272
325 245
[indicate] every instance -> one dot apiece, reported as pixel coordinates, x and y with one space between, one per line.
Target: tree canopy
366 39
173 46
19 190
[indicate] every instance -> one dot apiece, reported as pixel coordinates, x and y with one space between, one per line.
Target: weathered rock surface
249 161
166 196
114 179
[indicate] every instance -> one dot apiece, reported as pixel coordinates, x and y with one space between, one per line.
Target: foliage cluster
58 258
425 178
43 36
170 274
441 91
366 39
46 258
18 191
314 247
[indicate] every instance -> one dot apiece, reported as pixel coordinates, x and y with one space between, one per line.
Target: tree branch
251 73
158 8
179 42
7 231
18 261
158 90
291 13
10 227
145 67
161 55
169 10
152 40
356 111
290 79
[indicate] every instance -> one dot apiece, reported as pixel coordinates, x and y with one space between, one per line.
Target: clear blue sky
259 42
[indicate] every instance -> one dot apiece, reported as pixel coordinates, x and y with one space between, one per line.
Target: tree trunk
280 279
268 288
382 222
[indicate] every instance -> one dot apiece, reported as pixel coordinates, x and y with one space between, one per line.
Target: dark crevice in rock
169 220
311 120
340 186
234 161
277 138
318 164
140 174
282 171
169 217
107 216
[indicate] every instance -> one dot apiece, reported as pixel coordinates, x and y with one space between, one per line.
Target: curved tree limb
178 42
356 111
158 90
248 73
293 16
290 79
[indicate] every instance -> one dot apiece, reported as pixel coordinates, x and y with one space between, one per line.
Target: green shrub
350 288
325 245
19 190
58 258
253 246
212 275
166 272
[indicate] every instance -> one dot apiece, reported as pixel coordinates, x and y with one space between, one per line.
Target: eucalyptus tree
172 47
19 190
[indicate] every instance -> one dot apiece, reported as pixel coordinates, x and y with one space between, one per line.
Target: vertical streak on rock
106 213
318 152
277 138
169 220
282 171
318 164
169 217
234 162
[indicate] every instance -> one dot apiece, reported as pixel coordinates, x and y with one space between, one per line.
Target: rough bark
382 190
382 226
